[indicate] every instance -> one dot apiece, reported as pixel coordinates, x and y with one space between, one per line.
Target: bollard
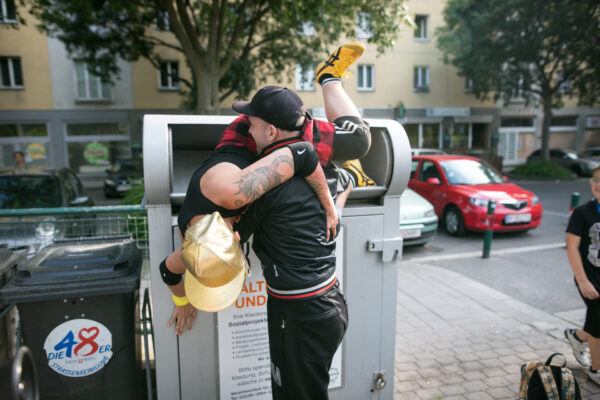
487 235
574 201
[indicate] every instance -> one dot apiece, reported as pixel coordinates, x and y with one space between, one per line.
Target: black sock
593 371
323 77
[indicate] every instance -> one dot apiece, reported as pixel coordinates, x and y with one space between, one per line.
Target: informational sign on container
78 347
244 362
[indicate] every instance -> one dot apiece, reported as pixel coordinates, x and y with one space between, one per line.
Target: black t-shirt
585 223
195 203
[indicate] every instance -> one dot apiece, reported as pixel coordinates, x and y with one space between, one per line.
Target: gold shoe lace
342 65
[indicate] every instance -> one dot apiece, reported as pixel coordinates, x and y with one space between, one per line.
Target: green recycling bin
78 308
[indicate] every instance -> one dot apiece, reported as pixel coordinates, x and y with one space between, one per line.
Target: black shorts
352 138
592 315
303 338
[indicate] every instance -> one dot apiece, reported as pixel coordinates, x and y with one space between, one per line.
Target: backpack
548 381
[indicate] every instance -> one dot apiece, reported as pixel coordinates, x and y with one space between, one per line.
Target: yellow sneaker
355 168
339 61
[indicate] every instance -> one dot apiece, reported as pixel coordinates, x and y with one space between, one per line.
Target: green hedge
544 169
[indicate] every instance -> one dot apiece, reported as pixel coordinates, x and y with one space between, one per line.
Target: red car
459 187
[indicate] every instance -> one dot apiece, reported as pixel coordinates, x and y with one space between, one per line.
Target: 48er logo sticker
78 347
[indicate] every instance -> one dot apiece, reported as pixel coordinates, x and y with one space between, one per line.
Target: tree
541 50
229 45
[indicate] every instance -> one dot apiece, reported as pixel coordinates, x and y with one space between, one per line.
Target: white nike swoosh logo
300 152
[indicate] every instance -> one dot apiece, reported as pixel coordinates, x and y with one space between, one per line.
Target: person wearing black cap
225 183
306 309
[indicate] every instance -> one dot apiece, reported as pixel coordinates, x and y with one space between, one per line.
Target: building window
8 12
30 139
169 75
517 122
305 78
11 76
89 85
422 31
421 79
365 77
95 147
563 87
364 26
468 85
430 136
162 20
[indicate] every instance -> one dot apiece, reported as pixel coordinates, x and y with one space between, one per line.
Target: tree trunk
207 91
547 107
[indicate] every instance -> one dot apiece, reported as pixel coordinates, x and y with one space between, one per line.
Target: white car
418 222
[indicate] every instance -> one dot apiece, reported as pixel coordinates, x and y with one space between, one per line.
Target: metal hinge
378 380
390 247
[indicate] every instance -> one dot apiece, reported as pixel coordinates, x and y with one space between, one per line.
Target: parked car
41 188
568 159
418 222
460 187
122 176
424 151
592 153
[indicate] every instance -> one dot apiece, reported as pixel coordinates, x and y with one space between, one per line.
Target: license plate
410 233
517 218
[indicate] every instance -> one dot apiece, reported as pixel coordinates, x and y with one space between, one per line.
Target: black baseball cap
277 105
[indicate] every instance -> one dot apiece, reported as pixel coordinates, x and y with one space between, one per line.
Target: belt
303 293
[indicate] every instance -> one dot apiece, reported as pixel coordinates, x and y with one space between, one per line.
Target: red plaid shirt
319 133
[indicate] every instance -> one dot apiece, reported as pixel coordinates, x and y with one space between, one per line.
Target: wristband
180 301
167 276
305 157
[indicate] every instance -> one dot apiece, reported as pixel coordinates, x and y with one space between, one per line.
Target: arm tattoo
255 183
316 185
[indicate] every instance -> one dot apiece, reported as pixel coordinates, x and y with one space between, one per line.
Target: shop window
517 122
305 78
89 85
421 79
412 131
422 31
8 12
11 76
169 75
366 78
95 147
460 136
431 136
563 122
30 139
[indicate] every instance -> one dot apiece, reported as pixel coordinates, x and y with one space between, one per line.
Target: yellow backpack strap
568 384
525 376
548 382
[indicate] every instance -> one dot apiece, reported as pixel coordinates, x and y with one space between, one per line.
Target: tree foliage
230 46
538 50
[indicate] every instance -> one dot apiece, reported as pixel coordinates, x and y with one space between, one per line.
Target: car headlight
429 213
110 182
478 202
535 200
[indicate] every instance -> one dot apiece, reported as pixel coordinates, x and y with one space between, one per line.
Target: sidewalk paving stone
459 339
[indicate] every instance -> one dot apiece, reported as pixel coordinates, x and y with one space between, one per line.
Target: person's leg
337 102
595 352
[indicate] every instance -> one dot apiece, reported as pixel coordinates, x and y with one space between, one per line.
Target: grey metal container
203 362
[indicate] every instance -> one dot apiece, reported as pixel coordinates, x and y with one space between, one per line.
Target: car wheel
576 170
454 222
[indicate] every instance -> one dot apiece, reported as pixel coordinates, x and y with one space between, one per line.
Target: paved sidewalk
459 339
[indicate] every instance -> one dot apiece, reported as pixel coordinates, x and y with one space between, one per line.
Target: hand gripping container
78 309
225 355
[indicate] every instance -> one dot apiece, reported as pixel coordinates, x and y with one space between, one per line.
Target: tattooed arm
227 186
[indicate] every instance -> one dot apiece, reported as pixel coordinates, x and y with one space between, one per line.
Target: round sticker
95 153
78 347
36 151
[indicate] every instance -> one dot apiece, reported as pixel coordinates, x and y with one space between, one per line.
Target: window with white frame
468 85
421 79
563 87
89 85
364 28
305 78
11 76
8 12
162 20
169 75
366 78
422 31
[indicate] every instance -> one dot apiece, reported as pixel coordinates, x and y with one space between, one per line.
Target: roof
445 157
